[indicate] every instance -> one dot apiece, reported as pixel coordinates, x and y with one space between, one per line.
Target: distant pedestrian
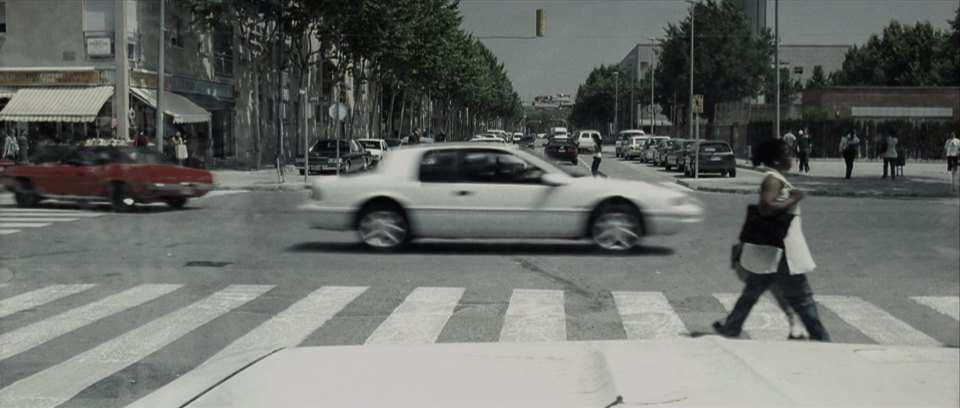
24 146
951 149
849 145
179 148
597 155
141 140
804 148
10 147
769 265
790 140
890 156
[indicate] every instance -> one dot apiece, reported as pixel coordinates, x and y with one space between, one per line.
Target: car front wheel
616 227
121 197
25 195
383 227
176 202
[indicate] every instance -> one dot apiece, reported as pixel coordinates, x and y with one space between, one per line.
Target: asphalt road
874 256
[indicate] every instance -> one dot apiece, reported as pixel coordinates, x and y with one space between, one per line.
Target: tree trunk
393 101
403 108
255 117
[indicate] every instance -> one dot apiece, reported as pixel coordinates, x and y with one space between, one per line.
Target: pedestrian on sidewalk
769 265
10 147
790 140
804 148
849 145
597 155
951 149
890 156
24 145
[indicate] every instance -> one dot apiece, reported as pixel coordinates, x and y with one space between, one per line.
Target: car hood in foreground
703 372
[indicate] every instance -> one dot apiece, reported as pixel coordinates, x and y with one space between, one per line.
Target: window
3 19
223 50
489 166
176 35
439 166
798 70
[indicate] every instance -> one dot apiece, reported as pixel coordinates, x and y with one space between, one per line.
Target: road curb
820 193
264 187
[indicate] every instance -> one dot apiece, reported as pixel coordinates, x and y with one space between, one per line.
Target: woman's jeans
595 166
796 290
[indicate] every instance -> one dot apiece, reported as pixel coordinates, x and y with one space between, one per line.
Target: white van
584 140
558 133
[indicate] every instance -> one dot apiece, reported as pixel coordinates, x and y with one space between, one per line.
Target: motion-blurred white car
468 190
376 147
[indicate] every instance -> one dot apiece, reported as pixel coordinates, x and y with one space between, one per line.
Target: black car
561 150
323 157
528 142
715 157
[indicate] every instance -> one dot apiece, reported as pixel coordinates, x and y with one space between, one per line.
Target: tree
788 88
597 99
950 53
817 79
900 56
729 64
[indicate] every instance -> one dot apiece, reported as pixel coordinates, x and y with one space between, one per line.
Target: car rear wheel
616 227
733 173
25 195
383 227
177 202
121 197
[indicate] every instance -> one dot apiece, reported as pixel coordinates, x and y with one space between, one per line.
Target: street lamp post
776 57
696 163
653 112
616 101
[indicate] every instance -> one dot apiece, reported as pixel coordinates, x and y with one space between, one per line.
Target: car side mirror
553 179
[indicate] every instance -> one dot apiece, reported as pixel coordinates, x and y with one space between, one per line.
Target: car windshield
222 200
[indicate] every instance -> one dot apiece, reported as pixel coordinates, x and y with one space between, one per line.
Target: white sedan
466 190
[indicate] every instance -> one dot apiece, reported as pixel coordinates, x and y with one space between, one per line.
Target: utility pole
279 107
158 131
776 66
693 16
616 100
121 95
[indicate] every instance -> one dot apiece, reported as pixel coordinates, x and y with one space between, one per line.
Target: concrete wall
830 57
40 32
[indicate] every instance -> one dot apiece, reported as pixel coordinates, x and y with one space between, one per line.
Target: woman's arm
769 194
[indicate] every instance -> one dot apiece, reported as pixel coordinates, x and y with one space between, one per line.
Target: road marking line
534 315
221 193
420 318
39 297
57 384
766 320
8 231
49 215
23 224
676 187
648 315
28 337
51 219
948 305
875 323
50 211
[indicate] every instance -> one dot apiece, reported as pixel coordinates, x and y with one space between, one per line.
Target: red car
123 175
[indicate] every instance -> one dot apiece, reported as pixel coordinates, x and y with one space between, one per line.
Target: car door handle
463 193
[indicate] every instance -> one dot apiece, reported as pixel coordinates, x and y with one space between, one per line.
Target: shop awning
56 104
180 108
7 93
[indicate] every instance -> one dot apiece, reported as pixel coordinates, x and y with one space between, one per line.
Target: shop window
176 34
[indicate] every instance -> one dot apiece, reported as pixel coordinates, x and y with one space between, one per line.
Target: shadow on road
104 207
481 248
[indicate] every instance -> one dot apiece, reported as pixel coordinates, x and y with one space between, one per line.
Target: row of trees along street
730 66
408 63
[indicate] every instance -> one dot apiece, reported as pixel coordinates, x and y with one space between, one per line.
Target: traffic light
541 22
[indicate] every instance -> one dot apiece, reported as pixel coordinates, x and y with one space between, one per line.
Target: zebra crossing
531 315
14 220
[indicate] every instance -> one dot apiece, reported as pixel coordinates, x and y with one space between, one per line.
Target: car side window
498 167
79 158
439 166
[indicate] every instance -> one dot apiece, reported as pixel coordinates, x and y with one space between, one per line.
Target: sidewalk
259 180
826 178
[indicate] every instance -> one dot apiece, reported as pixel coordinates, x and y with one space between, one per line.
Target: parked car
650 148
393 143
323 157
479 191
584 140
715 157
489 140
563 150
663 151
634 148
675 156
125 176
376 147
516 137
528 142
623 139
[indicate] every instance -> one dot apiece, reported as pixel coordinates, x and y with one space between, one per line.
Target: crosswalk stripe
875 323
23 224
8 231
766 320
648 315
948 305
420 318
220 193
38 297
50 219
535 315
56 385
17 341
287 329
47 213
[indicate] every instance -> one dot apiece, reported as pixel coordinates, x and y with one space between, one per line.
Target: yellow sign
541 23
698 103
147 80
22 78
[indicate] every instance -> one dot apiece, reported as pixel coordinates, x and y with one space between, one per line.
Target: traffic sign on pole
337 111
698 103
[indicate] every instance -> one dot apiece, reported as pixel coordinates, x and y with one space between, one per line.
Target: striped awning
7 93
56 104
180 108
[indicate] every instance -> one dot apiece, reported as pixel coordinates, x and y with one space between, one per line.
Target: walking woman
768 265
597 154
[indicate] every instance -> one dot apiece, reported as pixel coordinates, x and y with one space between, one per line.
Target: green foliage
817 79
788 88
917 55
595 103
728 64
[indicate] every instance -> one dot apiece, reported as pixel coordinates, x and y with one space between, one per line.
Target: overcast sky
582 34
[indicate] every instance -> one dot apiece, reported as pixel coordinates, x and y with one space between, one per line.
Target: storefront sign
147 80
24 78
99 47
202 87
